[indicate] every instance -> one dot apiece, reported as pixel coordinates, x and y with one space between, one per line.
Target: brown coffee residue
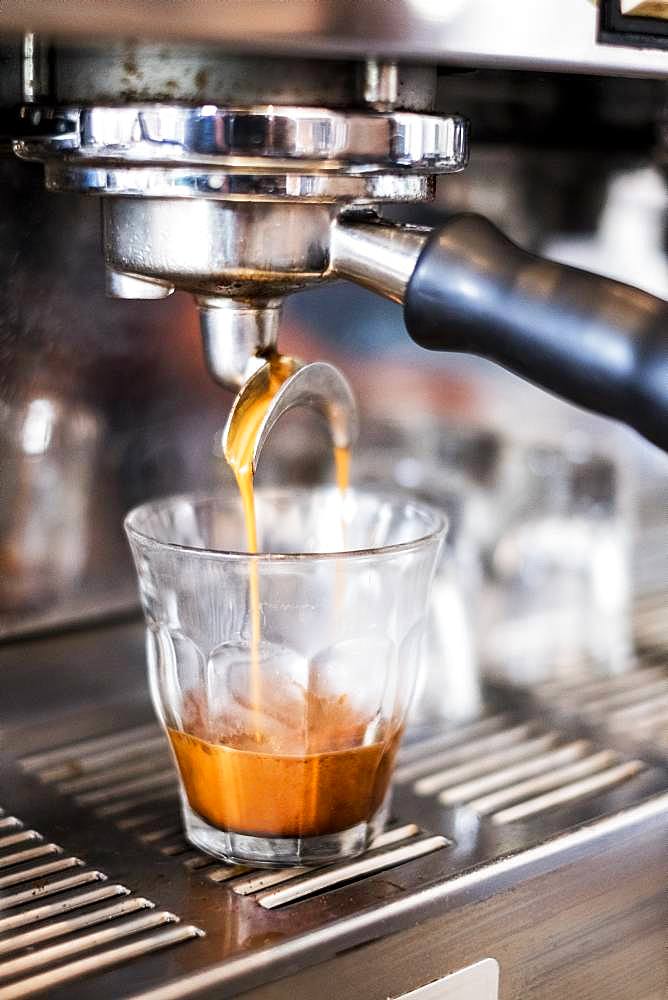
307 774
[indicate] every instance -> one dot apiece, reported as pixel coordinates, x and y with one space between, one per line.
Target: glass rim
437 532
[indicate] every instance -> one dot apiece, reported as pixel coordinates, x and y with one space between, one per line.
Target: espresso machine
243 153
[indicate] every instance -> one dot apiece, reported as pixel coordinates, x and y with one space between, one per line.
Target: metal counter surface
568 889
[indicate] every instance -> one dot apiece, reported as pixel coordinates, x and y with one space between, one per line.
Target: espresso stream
239 449
308 774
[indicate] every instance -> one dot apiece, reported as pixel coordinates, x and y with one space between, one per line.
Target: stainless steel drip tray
100 895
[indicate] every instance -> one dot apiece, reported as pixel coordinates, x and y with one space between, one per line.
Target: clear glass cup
284 726
49 447
540 536
558 590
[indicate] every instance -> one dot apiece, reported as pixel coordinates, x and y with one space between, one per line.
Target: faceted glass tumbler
557 599
283 678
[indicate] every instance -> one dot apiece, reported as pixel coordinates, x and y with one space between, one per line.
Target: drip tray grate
390 849
507 771
92 920
102 841
631 707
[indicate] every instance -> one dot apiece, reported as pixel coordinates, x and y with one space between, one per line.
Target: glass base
281 852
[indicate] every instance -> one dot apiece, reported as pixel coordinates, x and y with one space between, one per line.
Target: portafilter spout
237 336
318 385
239 339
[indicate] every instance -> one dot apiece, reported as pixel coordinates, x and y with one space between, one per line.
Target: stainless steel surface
50 888
251 173
236 337
450 870
468 280
379 256
256 883
461 746
72 971
22 955
568 793
526 926
34 67
381 84
20 857
37 872
519 749
319 386
630 709
488 804
464 33
477 766
132 70
524 814
281 139
313 883
217 201
244 250
48 910
128 286
15 968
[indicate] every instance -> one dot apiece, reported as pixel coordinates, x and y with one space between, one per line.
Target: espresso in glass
312 777
284 748
282 673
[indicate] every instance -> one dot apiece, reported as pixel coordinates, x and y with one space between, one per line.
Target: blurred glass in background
557 588
49 448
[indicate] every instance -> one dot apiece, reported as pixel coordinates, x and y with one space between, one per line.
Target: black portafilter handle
596 342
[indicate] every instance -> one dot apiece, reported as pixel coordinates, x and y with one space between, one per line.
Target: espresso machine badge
475 982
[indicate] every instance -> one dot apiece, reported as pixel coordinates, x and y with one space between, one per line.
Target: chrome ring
176 182
276 139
